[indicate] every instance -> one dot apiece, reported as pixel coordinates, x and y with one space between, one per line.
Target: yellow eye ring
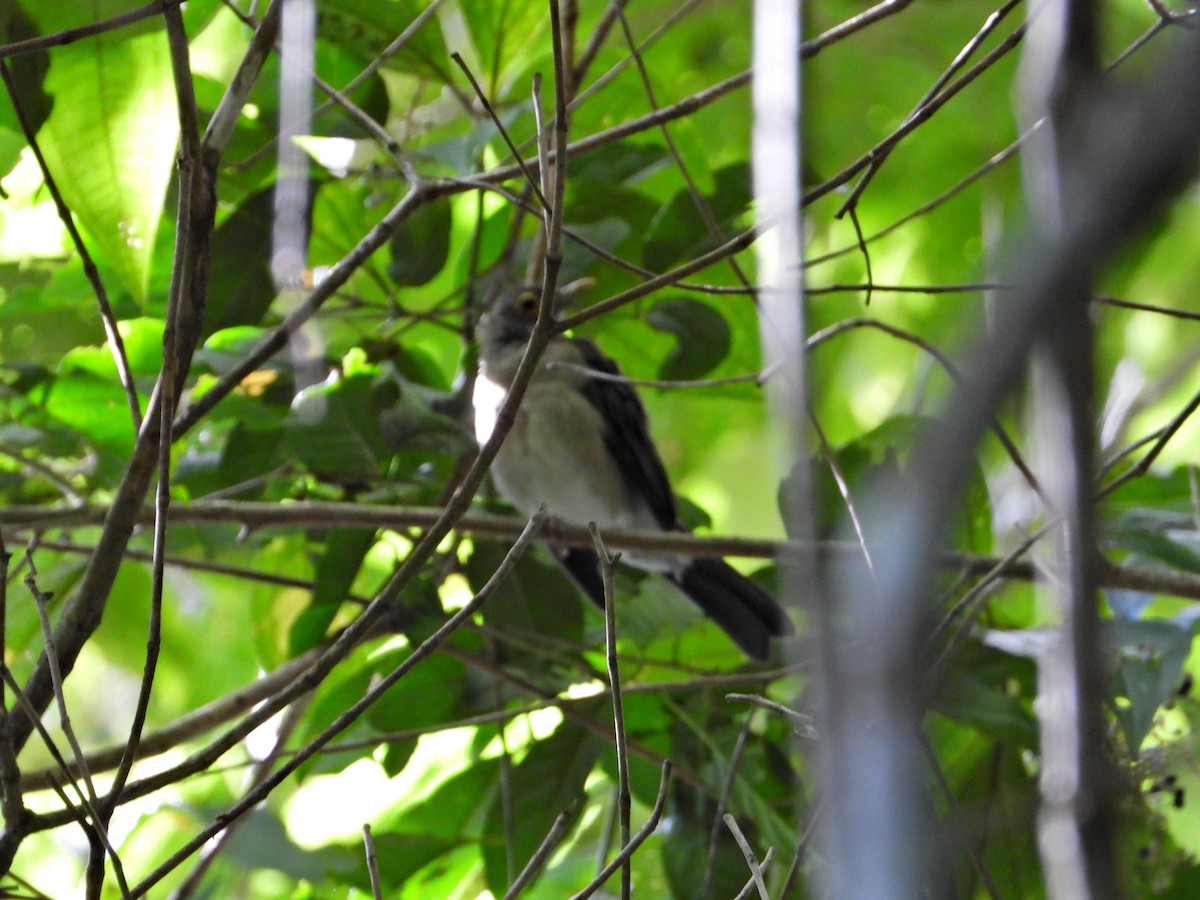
527 301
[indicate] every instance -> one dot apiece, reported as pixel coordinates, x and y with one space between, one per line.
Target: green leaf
536 598
1149 657
1153 541
240 285
111 140
333 427
549 780
28 74
678 231
345 550
701 333
411 423
421 245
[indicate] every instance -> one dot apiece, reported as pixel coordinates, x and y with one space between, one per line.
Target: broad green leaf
240 285
345 549
535 599
702 337
28 74
333 428
420 246
545 783
678 231
1149 657
110 141
399 856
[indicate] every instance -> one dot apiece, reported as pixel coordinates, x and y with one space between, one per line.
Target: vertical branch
1075 823
776 167
12 801
624 798
181 330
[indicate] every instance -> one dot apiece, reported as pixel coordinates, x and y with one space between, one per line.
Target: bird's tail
746 612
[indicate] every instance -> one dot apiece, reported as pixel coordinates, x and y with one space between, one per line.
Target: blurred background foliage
366 408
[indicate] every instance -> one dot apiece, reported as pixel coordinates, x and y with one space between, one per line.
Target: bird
580 445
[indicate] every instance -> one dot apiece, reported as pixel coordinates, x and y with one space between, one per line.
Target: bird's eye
527 301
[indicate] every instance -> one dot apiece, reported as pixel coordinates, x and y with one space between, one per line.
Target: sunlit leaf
111 142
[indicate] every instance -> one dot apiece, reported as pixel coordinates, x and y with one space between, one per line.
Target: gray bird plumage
582 446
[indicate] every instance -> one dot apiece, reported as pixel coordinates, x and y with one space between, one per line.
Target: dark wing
627 435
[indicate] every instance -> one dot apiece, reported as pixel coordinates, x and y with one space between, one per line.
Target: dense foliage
323 427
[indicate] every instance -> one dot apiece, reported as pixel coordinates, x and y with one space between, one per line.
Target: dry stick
80 814
370 69
552 839
372 863
596 41
40 599
225 118
277 339
25 886
554 227
1148 307
866 254
751 882
734 245
843 487
317 513
107 317
683 108
624 798
543 135
506 803
996 161
604 80
748 852
855 23
954 811
71 35
82 615
810 830
419 654
1122 187
644 832
847 288
714 834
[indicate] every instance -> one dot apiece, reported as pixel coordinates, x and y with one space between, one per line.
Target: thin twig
752 882
714 834
624 798
548 845
372 863
802 723
751 858
71 35
487 106
644 832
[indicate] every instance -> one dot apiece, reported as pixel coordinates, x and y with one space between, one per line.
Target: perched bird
581 445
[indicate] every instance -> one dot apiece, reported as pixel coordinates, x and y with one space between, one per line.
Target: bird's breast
556 454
